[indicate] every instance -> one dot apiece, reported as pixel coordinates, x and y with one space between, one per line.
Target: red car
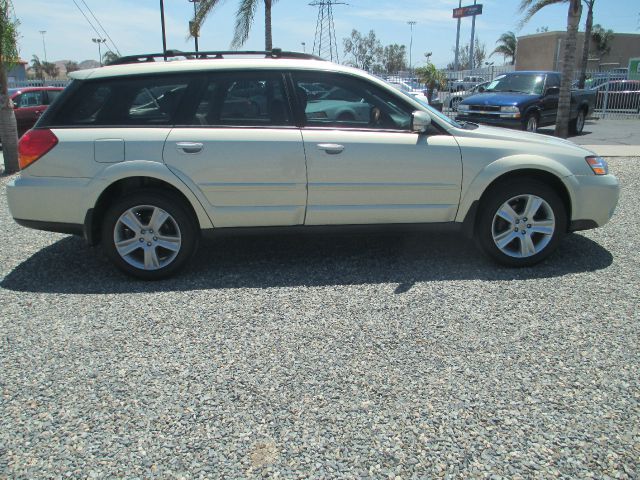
30 102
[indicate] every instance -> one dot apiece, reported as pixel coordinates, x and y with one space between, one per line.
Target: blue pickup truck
526 101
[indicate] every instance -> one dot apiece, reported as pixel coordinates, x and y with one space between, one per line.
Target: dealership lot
405 355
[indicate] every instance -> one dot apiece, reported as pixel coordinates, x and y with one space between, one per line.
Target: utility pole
473 33
164 34
194 30
304 47
44 46
411 23
99 41
458 39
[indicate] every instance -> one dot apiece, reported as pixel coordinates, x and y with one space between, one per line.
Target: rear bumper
49 203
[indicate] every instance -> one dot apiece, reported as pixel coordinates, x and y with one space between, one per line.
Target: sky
134 25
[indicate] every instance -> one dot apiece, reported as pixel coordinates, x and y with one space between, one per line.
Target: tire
138 250
530 122
503 217
454 103
577 124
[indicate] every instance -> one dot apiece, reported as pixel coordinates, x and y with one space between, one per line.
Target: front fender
144 168
505 165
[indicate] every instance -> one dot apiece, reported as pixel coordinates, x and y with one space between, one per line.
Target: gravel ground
396 356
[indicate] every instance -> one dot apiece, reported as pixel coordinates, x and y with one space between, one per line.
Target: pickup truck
526 101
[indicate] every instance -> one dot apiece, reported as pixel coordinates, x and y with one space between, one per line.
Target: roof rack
208 55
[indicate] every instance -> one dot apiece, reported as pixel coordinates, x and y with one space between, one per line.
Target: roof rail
208 55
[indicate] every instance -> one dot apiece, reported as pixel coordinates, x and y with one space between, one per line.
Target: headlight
463 108
598 165
510 109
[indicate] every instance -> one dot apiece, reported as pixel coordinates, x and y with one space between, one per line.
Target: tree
37 67
71 66
530 8
507 47
432 77
587 42
479 54
109 57
602 38
51 69
8 58
363 51
244 18
394 58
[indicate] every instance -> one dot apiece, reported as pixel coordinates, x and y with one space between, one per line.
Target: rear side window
30 99
130 101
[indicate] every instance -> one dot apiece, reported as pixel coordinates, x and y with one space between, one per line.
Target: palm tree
602 38
244 18
432 77
8 57
109 57
38 67
530 8
587 42
507 47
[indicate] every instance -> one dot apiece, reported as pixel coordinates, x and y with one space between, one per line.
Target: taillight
33 145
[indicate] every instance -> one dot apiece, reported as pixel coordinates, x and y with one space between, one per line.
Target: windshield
521 83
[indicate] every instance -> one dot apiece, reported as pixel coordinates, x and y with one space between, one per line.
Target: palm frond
205 7
531 7
244 18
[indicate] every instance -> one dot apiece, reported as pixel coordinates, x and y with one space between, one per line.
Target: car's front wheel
521 223
149 234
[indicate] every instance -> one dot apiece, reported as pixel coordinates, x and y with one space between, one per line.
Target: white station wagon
145 156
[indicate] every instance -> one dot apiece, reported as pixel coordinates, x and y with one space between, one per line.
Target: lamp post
164 33
304 47
44 46
195 31
99 41
411 23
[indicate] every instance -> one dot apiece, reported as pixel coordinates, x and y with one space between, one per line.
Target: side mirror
553 91
420 121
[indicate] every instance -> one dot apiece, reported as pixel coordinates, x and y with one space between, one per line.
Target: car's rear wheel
577 124
521 223
149 235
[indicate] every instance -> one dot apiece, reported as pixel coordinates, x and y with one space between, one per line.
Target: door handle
331 148
189 147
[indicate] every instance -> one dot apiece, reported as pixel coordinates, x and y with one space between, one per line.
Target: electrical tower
324 43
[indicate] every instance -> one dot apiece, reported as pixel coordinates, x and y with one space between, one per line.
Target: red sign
467 11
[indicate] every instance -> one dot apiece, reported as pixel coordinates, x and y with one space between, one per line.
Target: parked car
619 95
146 187
453 99
525 100
31 102
419 91
467 83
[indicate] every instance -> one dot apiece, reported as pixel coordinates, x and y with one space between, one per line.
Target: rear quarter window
145 101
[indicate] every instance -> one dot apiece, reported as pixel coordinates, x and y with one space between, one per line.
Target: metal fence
39 83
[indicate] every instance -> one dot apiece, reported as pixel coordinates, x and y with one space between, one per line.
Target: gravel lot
400 356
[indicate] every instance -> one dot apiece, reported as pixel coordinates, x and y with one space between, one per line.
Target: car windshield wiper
511 90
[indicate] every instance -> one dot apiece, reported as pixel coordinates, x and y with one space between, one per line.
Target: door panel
381 177
250 176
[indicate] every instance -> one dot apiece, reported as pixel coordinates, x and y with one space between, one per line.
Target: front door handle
189 147
331 148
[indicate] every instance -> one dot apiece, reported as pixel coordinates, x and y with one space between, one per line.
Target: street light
194 30
42 32
411 23
99 41
304 47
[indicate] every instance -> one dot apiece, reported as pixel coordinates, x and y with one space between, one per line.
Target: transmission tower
324 43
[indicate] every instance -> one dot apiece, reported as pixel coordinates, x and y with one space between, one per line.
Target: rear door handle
189 147
331 148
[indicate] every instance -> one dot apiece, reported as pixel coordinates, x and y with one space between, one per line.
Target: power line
87 19
103 29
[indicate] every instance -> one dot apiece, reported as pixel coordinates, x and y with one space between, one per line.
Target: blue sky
135 25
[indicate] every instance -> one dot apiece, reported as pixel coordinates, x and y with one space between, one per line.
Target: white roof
212 64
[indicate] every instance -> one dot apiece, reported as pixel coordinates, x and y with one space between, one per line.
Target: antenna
324 43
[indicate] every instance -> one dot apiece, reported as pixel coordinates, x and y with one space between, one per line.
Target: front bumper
494 120
594 200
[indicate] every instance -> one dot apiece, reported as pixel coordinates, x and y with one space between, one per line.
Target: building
18 73
544 51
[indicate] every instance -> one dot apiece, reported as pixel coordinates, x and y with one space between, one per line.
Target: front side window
145 101
243 100
334 100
